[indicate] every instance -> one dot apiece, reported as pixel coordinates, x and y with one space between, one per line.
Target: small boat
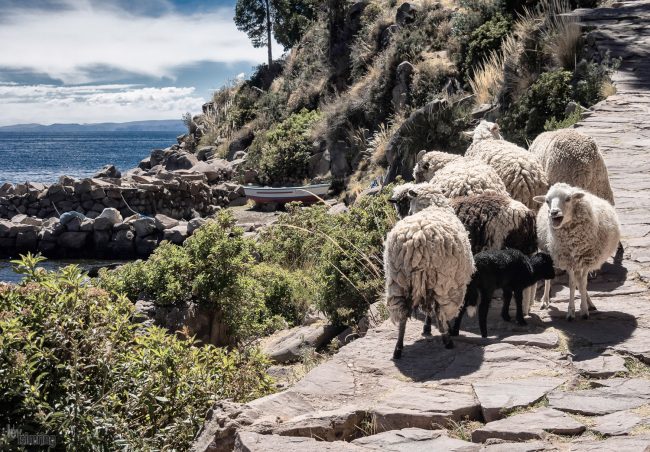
306 194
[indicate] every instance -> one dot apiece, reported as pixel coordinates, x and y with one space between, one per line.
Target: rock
338 209
531 425
500 397
70 216
145 164
615 395
319 164
496 445
72 240
176 235
339 424
87 225
240 155
604 366
164 222
406 13
109 171
243 138
107 219
620 444
616 424
180 160
480 111
144 226
144 246
254 442
287 345
214 171
387 35
422 407
6 189
194 224
122 242
404 76
415 439
27 239
74 225
204 153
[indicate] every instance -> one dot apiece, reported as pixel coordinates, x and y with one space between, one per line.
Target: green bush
485 39
74 365
282 154
342 253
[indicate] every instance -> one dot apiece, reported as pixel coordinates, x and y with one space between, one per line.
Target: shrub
343 253
73 365
429 79
485 39
282 154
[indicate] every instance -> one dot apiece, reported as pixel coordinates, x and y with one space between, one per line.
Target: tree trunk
268 31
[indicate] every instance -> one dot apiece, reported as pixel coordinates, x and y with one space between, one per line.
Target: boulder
319 163
109 216
406 13
616 424
412 439
214 171
6 189
180 160
144 246
615 394
27 239
164 222
401 91
255 442
156 157
604 366
74 225
286 345
109 171
87 225
70 216
144 226
194 224
204 153
176 235
122 242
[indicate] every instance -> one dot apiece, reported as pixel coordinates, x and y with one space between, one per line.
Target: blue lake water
43 157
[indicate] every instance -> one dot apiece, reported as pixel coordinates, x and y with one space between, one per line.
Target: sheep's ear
540 199
495 127
420 155
578 195
412 194
468 134
392 200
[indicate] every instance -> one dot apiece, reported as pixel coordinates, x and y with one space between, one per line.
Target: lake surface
43 157
7 274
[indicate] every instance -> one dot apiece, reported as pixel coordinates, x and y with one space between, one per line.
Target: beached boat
306 194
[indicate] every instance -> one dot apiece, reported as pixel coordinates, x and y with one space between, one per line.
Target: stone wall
108 236
179 196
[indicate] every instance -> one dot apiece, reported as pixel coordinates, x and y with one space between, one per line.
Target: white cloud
94 103
62 43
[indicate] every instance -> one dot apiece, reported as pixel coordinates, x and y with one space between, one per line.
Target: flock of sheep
501 217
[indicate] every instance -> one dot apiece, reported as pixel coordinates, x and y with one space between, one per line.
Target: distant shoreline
162 125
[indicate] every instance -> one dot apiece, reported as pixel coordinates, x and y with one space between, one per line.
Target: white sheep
428 264
428 163
522 174
573 158
580 231
464 177
399 198
493 221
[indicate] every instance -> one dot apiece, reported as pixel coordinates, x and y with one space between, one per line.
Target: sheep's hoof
454 333
584 315
570 317
426 331
545 305
593 308
397 354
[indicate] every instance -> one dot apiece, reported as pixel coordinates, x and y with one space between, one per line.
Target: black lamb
509 270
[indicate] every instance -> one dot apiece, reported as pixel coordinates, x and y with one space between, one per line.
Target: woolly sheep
510 270
573 158
580 231
521 172
431 162
399 198
428 264
493 221
464 177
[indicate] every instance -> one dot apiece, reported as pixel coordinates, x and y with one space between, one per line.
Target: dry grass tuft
607 89
488 79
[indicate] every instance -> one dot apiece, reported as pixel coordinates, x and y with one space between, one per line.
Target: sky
88 61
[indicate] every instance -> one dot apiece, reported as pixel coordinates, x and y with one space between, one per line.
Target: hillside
166 125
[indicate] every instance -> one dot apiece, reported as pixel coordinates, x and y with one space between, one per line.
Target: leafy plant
74 365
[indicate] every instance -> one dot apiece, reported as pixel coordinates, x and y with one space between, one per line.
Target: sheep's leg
505 309
483 308
546 299
571 312
455 329
443 327
591 305
529 298
397 354
519 295
584 296
426 330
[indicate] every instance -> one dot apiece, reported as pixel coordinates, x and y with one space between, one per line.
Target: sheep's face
487 130
400 200
560 200
543 265
420 200
420 171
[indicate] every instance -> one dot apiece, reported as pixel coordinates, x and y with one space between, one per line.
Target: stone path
552 385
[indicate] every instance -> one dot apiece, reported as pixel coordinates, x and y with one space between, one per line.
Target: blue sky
116 60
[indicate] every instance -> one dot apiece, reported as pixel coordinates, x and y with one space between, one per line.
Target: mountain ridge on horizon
155 125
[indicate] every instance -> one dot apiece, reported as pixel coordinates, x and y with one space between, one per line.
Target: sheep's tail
471 311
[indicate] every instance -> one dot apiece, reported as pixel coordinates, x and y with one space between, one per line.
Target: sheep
509 270
429 163
573 158
400 200
428 264
522 174
580 231
493 221
463 177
